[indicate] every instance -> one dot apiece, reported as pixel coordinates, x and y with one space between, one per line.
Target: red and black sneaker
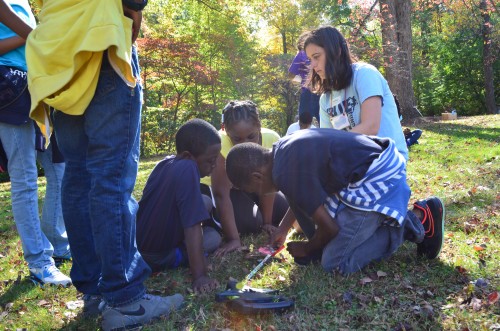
433 222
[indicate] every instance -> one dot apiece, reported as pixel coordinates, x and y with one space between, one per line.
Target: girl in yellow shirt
240 212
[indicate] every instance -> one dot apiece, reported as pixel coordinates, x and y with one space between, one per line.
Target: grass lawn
458 161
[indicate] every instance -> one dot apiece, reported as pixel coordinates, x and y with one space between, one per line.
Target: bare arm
6 45
266 204
371 114
136 17
12 21
221 187
278 237
194 245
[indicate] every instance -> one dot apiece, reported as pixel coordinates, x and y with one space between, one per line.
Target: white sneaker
49 274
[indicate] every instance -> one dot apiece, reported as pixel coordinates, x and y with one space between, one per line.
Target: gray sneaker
142 312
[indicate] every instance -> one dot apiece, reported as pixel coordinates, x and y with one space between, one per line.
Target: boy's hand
278 237
269 228
204 284
298 248
228 247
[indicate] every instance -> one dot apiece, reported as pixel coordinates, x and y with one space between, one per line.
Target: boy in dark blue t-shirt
172 208
348 192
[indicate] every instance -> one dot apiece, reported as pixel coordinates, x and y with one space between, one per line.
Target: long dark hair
338 65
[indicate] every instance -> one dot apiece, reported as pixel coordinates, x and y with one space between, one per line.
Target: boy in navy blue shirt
348 192
172 208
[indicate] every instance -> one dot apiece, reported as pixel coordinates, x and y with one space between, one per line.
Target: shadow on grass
463 131
402 293
16 289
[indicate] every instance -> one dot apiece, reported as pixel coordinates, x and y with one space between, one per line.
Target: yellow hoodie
64 52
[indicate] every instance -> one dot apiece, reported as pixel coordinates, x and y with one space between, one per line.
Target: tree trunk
397 52
488 59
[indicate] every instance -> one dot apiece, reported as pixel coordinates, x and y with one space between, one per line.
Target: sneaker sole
139 326
442 224
38 282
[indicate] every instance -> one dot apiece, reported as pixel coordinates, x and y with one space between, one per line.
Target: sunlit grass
457 160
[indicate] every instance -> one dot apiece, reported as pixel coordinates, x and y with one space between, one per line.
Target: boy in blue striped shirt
347 191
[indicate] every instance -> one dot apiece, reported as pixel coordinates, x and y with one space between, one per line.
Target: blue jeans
101 150
19 144
362 238
52 217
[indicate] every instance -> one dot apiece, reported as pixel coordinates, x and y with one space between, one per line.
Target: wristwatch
135 5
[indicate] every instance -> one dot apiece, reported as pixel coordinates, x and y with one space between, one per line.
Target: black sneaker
139 313
309 259
433 222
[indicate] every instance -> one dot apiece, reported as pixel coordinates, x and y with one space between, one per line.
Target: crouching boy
172 208
348 192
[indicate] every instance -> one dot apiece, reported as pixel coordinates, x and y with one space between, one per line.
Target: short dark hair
338 66
300 41
305 118
236 111
242 160
195 136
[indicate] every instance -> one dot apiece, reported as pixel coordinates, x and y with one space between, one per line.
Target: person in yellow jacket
81 62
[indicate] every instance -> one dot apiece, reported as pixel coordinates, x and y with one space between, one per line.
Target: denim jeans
52 217
173 259
101 150
362 238
19 144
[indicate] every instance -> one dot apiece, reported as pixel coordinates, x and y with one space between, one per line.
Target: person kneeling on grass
348 193
172 208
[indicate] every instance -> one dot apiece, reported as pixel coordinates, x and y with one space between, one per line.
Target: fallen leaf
73 305
476 304
448 306
427 309
416 310
493 297
478 248
69 314
43 303
365 280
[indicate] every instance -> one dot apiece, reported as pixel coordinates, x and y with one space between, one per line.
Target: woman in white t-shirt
354 95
